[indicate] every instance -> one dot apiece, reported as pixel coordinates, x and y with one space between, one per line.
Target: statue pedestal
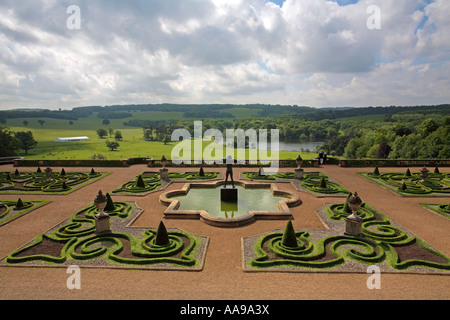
298 174
102 223
229 195
164 174
353 226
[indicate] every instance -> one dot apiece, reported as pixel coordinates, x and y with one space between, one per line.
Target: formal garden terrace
151 231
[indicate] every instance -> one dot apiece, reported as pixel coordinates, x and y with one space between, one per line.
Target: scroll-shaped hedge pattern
151 181
10 210
382 243
77 241
316 182
38 182
442 209
410 184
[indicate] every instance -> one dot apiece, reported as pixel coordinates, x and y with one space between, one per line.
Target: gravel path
223 276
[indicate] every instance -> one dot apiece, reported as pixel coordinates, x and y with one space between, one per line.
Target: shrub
289 238
162 237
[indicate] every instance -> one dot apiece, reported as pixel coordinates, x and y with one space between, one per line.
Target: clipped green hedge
68 163
80 243
379 244
409 184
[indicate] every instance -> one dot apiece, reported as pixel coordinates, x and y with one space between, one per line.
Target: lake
297 145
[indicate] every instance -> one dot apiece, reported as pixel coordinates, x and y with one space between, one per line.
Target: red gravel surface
223 277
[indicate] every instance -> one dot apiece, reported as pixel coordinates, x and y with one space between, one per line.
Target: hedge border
397 187
81 236
35 205
72 187
370 249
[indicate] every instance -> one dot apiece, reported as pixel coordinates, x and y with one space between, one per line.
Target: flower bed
442 209
74 241
27 182
383 243
410 184
314 182
10 210
150 181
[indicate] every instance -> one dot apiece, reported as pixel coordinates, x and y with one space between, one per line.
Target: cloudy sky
307 52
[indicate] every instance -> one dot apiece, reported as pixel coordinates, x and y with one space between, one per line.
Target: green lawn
132 145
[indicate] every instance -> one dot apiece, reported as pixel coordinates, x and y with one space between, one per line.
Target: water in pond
249 199
298 145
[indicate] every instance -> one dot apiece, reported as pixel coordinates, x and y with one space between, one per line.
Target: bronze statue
229 171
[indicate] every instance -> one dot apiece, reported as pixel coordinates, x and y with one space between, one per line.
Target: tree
26 140
111 132
384 150
25 123
106 122
8 143
112 145
148 134
166 139
427 127
118 135
41 122
101 133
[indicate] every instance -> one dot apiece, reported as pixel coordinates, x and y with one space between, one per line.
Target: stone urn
424 174
353 222
164 172
299 170
101 218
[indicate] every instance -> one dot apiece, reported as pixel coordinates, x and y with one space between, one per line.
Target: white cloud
304 52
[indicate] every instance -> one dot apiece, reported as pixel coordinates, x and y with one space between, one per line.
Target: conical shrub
140 182
201 173
63 172
323 183
289 238
376 171
162 237
408 173
109 203
436 170
19 204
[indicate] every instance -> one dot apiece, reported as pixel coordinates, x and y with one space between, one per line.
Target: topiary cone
201 173
162 237
19 203
140 182
109 203
323 183
289 238
376 171
408 173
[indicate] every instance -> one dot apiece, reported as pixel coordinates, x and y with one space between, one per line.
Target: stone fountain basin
283 213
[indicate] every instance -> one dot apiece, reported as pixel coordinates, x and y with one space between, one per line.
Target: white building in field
72 139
